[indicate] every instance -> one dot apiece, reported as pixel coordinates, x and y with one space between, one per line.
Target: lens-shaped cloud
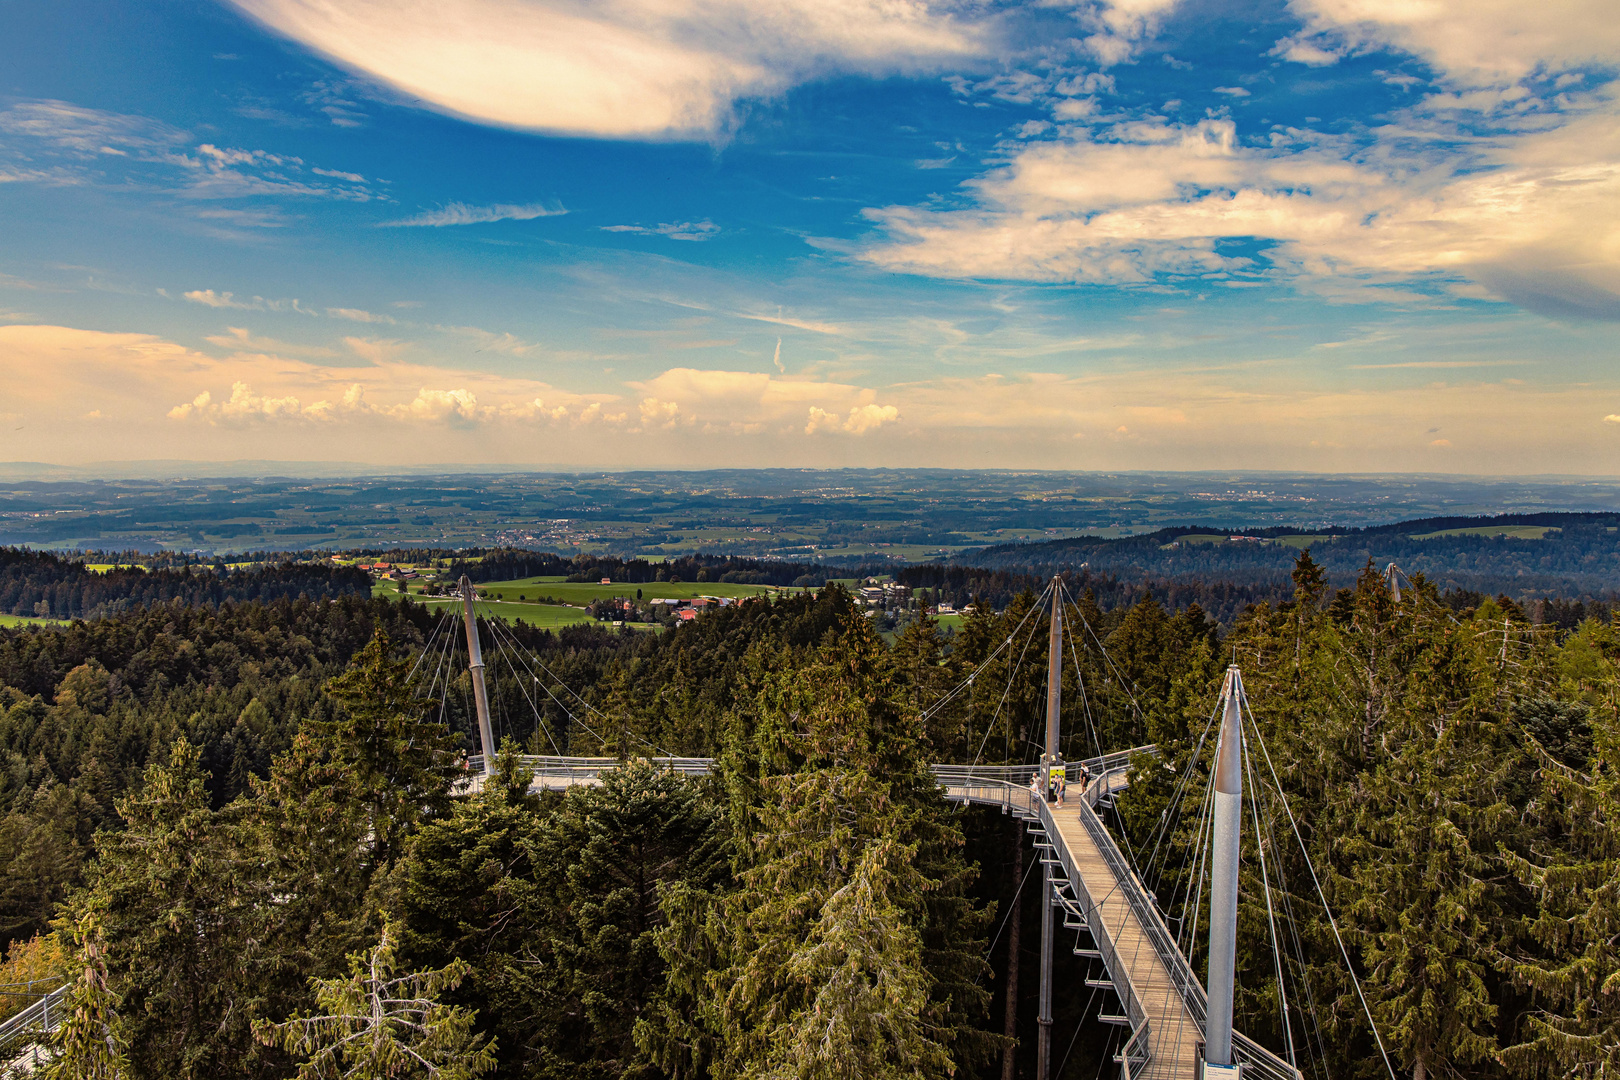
617 68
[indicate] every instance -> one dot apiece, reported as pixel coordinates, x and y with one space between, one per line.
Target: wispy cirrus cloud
460 213
60 142
359 315
210 298
675 230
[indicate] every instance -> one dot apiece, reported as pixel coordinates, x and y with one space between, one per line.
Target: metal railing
1256 1059
983 775
1133 1057
586 770
38 1019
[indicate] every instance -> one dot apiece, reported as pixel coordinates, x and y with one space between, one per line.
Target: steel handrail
1257 1059
39 1018
1119 973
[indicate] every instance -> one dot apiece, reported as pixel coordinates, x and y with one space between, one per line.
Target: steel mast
1225 850
475 666
1051 761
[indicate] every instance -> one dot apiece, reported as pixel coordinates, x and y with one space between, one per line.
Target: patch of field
30 620
1300 541
1516 532
583 592
544 616
1202 538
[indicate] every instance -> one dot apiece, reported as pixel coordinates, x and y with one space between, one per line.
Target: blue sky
1335 235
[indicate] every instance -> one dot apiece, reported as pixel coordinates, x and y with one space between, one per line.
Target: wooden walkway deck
1172 1034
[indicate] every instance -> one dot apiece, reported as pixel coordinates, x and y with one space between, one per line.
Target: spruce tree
379 1025
171 900
396 761
828 786
88 1045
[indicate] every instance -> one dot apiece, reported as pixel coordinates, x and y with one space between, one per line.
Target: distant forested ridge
508 564
45 584
1579 560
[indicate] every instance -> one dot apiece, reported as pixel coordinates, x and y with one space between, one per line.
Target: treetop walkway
1093 886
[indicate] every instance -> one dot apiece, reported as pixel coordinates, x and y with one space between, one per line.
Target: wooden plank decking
1173 1034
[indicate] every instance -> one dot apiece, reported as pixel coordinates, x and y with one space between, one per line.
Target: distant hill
1574 556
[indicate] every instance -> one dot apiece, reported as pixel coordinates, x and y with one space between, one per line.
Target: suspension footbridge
1173 1026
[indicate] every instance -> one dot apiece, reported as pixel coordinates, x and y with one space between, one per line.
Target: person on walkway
1060 780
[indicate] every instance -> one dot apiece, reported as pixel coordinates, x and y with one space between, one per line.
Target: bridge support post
1043 1035
1015 934
1051 763
475 666
1225 850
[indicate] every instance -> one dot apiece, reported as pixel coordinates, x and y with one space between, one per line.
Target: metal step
1111 1018
1100 984
1089 954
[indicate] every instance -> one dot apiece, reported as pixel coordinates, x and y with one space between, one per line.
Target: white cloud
489 341
375 351
245 407
1119 27
656 415
223 300
459 406
338 174
94 146
741 401
210 298
861 419
459 213
87 133
631 68
678 230
1533 218
358 315
1472 42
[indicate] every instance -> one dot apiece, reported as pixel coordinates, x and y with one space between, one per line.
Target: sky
1309 235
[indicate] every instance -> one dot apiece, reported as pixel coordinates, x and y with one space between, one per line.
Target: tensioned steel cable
1265 884
525 656
965 683
1322 895
1124 684
1302 979
1172 811
1010 677
1013 906
1080 678
438 624
539 719
559 702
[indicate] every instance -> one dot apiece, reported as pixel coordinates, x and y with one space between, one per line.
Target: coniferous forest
240 827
